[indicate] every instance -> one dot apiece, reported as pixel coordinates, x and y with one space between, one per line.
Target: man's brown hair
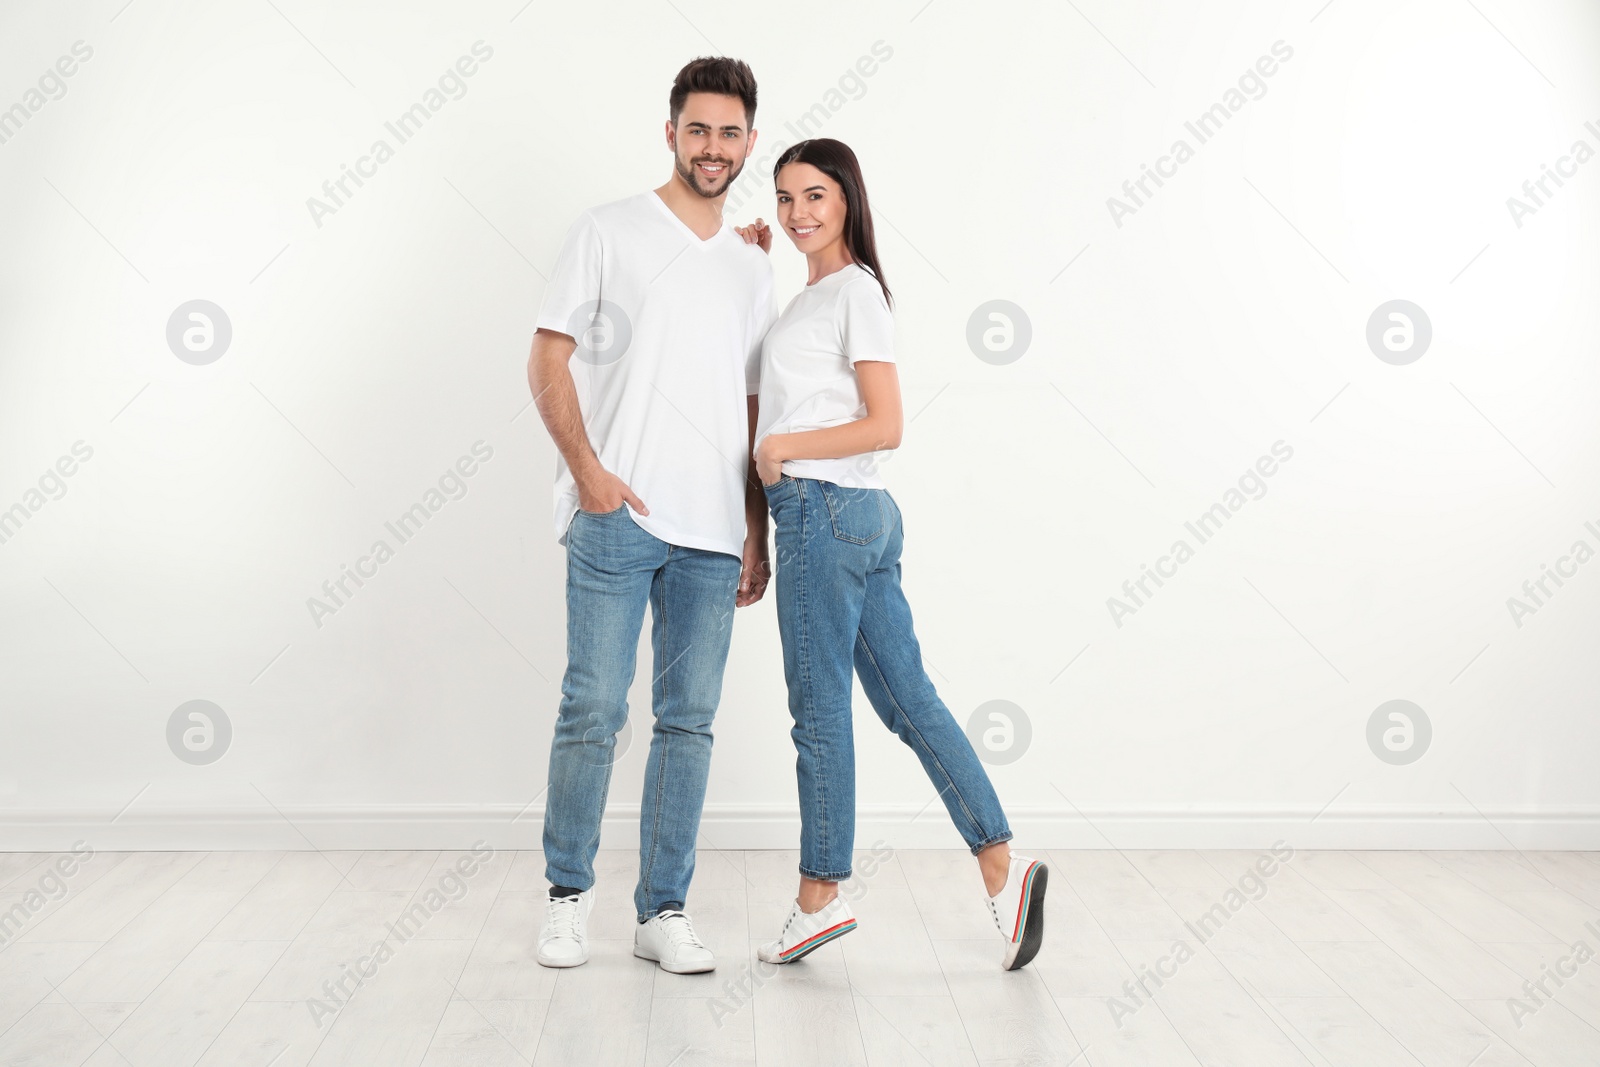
715 74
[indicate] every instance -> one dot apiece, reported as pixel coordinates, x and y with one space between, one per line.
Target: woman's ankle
815 894
994 863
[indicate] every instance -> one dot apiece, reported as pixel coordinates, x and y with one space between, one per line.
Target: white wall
1171 348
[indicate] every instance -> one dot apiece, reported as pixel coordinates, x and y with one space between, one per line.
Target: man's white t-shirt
808 377
669 332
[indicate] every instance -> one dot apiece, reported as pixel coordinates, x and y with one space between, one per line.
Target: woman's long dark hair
835 159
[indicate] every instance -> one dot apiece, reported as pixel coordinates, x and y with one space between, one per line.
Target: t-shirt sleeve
575 282
766 314
866 325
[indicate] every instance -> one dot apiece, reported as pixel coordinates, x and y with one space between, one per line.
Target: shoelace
562 913
678 928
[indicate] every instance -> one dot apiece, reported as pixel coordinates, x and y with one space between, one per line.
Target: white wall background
1168 353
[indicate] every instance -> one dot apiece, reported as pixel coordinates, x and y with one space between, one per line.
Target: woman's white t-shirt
808 377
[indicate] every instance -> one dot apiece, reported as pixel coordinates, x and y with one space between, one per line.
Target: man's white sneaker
564 939
1018 910
669 939
805 932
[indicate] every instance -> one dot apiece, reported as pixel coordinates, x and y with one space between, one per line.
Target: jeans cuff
995 839
835 876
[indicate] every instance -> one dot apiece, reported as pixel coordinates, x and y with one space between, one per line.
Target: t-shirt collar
693 238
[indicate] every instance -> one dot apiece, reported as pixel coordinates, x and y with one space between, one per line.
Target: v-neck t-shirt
808 376
669 330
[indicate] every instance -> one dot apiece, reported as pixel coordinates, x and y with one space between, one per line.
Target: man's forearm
755 498
556 396
755 501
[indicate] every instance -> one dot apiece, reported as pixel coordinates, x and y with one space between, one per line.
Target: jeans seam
912 726
661 771
605 792
820 772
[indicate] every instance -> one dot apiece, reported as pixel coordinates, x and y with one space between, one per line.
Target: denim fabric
613 568
840 604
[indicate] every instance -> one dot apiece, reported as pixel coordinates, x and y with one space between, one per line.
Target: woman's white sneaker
805 932
1018 910
564 939
669 939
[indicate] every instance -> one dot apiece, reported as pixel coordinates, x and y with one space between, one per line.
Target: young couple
691 410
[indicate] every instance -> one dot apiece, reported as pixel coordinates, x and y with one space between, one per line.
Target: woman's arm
878 429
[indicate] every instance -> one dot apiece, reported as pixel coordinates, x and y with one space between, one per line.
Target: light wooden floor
171 959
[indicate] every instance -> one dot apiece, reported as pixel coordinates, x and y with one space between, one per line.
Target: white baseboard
743 826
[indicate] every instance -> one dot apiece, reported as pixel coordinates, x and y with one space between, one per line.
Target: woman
830 400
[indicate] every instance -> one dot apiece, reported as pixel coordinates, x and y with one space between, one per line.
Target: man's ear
671 139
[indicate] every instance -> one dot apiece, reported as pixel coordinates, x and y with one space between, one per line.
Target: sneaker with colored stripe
1018 911
805 932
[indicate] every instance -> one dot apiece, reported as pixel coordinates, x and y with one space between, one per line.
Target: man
656 500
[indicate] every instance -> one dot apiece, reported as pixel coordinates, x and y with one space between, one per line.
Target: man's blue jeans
613 568
838 581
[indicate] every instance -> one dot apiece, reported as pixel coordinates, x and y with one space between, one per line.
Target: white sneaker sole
810 945
1021 952
563 961
690 968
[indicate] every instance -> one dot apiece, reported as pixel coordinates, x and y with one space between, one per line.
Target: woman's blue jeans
837 563
614 567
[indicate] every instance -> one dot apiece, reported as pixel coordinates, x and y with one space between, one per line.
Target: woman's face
811 207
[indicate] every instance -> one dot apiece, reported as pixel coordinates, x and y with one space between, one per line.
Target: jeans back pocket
857 514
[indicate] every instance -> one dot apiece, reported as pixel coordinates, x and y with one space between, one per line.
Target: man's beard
692 177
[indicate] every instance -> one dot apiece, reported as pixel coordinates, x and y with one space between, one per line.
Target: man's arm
556 396
757 569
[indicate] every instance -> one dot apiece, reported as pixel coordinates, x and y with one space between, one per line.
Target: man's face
710 143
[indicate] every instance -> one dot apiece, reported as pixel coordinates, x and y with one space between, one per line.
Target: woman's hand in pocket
769 463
